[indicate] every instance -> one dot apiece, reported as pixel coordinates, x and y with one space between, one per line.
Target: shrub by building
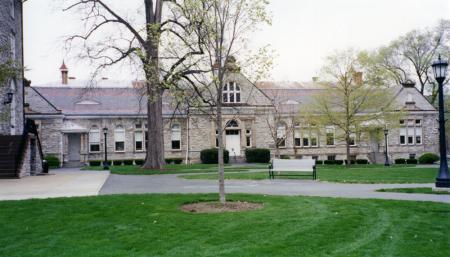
257 155
211 156
52 161
428 158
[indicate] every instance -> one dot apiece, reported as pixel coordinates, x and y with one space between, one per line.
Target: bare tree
226 28
411 56
111 38
280 118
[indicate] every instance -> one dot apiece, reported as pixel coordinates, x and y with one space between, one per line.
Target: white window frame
175 132
418 134
235 92
297 135
141 133
248 138
353 137
281 135
94 130
314 135
328 131
118 130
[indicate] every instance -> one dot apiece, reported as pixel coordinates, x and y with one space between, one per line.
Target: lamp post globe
105 162
440 73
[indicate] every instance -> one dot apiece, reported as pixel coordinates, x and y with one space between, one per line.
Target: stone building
11 114
71 116
20 151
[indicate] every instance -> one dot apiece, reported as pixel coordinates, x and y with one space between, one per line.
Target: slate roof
97 101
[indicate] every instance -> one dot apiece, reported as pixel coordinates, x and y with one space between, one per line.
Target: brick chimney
64 74
358 78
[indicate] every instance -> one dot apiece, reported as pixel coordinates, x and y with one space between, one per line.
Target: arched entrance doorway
233 138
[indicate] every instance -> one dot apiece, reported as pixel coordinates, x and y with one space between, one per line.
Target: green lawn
356 174
175 169
152 225
417 190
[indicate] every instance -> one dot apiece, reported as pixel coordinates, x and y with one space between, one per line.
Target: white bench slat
293 165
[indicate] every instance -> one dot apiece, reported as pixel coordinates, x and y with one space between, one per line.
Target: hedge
128 162
411 161
95 163
362 161
333 162
139 162
52 161
286 157
319 162
400 161
117 162
211 156
173 160
428 158
257 155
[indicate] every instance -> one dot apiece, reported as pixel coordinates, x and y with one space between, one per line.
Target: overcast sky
303 33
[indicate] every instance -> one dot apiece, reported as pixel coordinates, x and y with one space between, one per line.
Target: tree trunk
155 146
347 148
222 198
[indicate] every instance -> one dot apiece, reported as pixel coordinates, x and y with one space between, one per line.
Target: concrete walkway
119 184
59 183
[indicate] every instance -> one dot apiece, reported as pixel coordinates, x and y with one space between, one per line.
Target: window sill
176 150
119 151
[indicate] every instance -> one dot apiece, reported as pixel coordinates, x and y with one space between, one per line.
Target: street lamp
440 72
105 163
386 157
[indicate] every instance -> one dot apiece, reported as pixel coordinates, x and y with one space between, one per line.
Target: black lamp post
440 72
386 157
105 163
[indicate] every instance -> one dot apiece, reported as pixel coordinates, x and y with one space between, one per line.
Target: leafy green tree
348 100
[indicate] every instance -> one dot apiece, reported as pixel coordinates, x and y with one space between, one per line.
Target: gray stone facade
11 115
66 115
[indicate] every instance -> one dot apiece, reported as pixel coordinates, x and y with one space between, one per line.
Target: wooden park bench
298 167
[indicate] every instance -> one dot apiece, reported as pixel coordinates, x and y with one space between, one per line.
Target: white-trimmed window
297 138
248 137
176 137
403 136
119 139
410 137
12 39
314 139
231 93
329 133
217 138
138 141
12 8
418 135
305 140
138 138
94 139
352 139
281 135
411 132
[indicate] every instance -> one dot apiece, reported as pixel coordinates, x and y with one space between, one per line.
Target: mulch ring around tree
216 207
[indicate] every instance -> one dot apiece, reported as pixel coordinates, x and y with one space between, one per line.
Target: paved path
59 183
120 184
